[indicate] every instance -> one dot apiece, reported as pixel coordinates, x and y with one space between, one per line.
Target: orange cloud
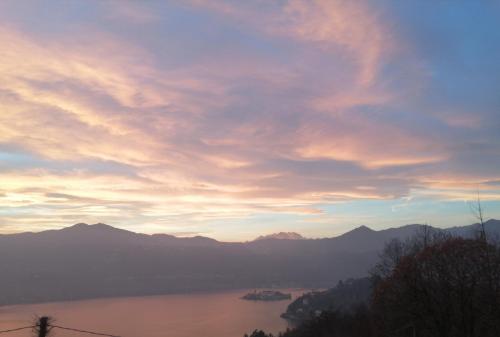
350 25
75 103
369 143
342 27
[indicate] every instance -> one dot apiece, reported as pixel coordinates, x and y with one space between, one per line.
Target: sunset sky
232 119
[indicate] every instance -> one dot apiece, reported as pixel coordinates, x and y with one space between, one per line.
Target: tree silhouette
448 289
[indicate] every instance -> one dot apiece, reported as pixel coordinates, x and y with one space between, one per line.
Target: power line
83 331
17 329
60 327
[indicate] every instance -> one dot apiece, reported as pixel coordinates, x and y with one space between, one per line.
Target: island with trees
267 295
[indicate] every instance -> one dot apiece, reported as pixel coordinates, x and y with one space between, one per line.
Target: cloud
348 25
241 109
129 11
350 30
368 142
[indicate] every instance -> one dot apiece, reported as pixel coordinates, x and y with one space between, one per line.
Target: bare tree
477 211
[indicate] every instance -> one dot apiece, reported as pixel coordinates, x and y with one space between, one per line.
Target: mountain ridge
279 235
89 261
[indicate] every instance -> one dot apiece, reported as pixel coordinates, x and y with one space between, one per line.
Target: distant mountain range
282 236
90 261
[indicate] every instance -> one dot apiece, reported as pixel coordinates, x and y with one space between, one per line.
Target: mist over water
221 314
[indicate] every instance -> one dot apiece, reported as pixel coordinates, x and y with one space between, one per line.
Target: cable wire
17 329
83 331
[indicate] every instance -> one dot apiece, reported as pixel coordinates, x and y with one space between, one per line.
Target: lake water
221 314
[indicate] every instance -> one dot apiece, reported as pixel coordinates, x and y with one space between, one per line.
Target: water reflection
221 314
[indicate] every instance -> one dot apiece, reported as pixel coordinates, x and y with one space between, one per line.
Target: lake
221 314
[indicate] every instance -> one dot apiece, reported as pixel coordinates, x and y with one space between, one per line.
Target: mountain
90 261
281 236
491 226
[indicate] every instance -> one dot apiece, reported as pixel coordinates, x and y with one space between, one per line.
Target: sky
232 119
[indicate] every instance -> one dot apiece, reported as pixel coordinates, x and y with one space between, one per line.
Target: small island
267 295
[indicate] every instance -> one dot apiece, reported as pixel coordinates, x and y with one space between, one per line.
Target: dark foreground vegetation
434 285
346 296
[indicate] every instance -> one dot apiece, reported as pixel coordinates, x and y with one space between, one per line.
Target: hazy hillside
345 296
86 261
